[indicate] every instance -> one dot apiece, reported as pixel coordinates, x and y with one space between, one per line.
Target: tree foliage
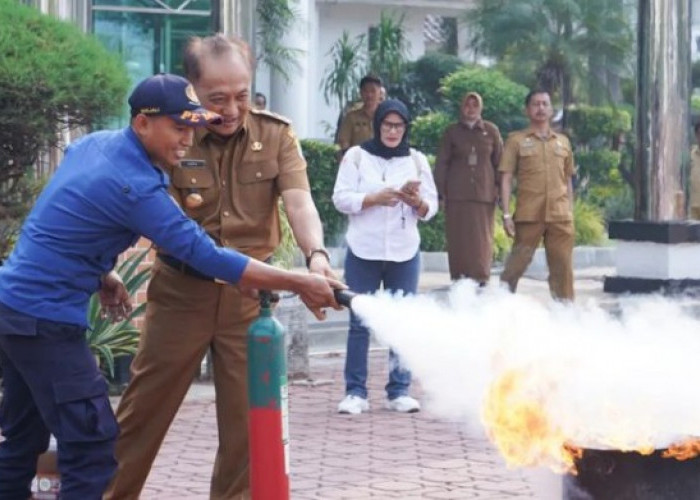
275 19
52 76
565 43
419 87
504 100
343 76
388 48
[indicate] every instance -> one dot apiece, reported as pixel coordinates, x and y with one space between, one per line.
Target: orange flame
516 419
683 451
518 425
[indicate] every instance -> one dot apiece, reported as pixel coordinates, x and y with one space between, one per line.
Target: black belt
184 268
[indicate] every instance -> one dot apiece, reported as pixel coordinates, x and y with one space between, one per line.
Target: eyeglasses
389 126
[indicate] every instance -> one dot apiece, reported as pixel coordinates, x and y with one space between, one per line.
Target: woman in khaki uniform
467 182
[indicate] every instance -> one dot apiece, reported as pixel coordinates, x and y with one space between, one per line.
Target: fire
517 422
683 451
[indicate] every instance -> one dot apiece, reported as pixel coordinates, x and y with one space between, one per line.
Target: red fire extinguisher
268 417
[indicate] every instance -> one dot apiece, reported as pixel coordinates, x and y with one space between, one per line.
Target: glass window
150 35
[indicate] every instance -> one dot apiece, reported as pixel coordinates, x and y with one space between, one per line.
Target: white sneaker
403 404
353 405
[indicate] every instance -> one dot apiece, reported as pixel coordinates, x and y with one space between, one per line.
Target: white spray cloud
624 381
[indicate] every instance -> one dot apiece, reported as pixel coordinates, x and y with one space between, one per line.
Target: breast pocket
528 159
256 182
197 181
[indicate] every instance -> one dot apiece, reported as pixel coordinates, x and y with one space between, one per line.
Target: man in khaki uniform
356 126
543 163
230 183
467 183
695 176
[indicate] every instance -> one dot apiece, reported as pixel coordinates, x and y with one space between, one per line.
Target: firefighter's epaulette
270 114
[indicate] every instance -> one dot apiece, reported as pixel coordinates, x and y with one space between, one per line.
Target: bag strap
416 161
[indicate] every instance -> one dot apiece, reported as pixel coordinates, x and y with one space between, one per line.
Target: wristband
314 251
506 216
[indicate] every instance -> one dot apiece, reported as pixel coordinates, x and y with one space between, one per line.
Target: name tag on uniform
191 163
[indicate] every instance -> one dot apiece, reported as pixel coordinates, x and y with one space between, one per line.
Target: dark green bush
419 87
322 170
427 130
589 123
597 167
615 200
52 76
504 100
588 224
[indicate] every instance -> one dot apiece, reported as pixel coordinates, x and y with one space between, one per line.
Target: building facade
149 36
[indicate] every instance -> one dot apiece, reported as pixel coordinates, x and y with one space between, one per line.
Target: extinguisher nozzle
344 297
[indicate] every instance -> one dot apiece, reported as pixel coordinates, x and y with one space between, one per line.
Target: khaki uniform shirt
467 162
695 177
543 169
355 129
240 179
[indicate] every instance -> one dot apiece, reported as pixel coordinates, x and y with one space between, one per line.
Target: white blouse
380 232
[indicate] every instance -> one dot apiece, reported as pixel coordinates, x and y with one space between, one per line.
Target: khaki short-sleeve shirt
543 169
240 179
355 129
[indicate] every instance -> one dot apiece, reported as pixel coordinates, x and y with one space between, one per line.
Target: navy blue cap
170 95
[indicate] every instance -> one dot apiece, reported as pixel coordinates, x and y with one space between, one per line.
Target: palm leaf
107 340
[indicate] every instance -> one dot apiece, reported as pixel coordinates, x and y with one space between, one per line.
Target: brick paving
379 454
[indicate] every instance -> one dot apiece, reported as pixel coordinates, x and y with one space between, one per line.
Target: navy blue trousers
51 385
367 276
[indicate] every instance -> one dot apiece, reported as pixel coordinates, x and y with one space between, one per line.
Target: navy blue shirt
104 195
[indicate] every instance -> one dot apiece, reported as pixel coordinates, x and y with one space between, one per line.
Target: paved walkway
379 454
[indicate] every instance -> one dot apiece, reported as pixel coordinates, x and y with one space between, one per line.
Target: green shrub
615 201
695 103
588 123
52 76
501 242
597 167
419 88
432 234
322 169
504 100
589 224
427 130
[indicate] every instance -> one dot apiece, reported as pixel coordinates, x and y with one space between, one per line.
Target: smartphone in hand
410 186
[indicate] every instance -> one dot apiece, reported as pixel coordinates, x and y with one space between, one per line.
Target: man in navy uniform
109 190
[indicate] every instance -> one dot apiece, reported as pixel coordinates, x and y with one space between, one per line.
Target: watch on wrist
506 216
314 251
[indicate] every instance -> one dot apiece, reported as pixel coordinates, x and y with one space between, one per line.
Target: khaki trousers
186 316
558 246
469 234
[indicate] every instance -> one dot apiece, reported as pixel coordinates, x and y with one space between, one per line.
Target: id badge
472 159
